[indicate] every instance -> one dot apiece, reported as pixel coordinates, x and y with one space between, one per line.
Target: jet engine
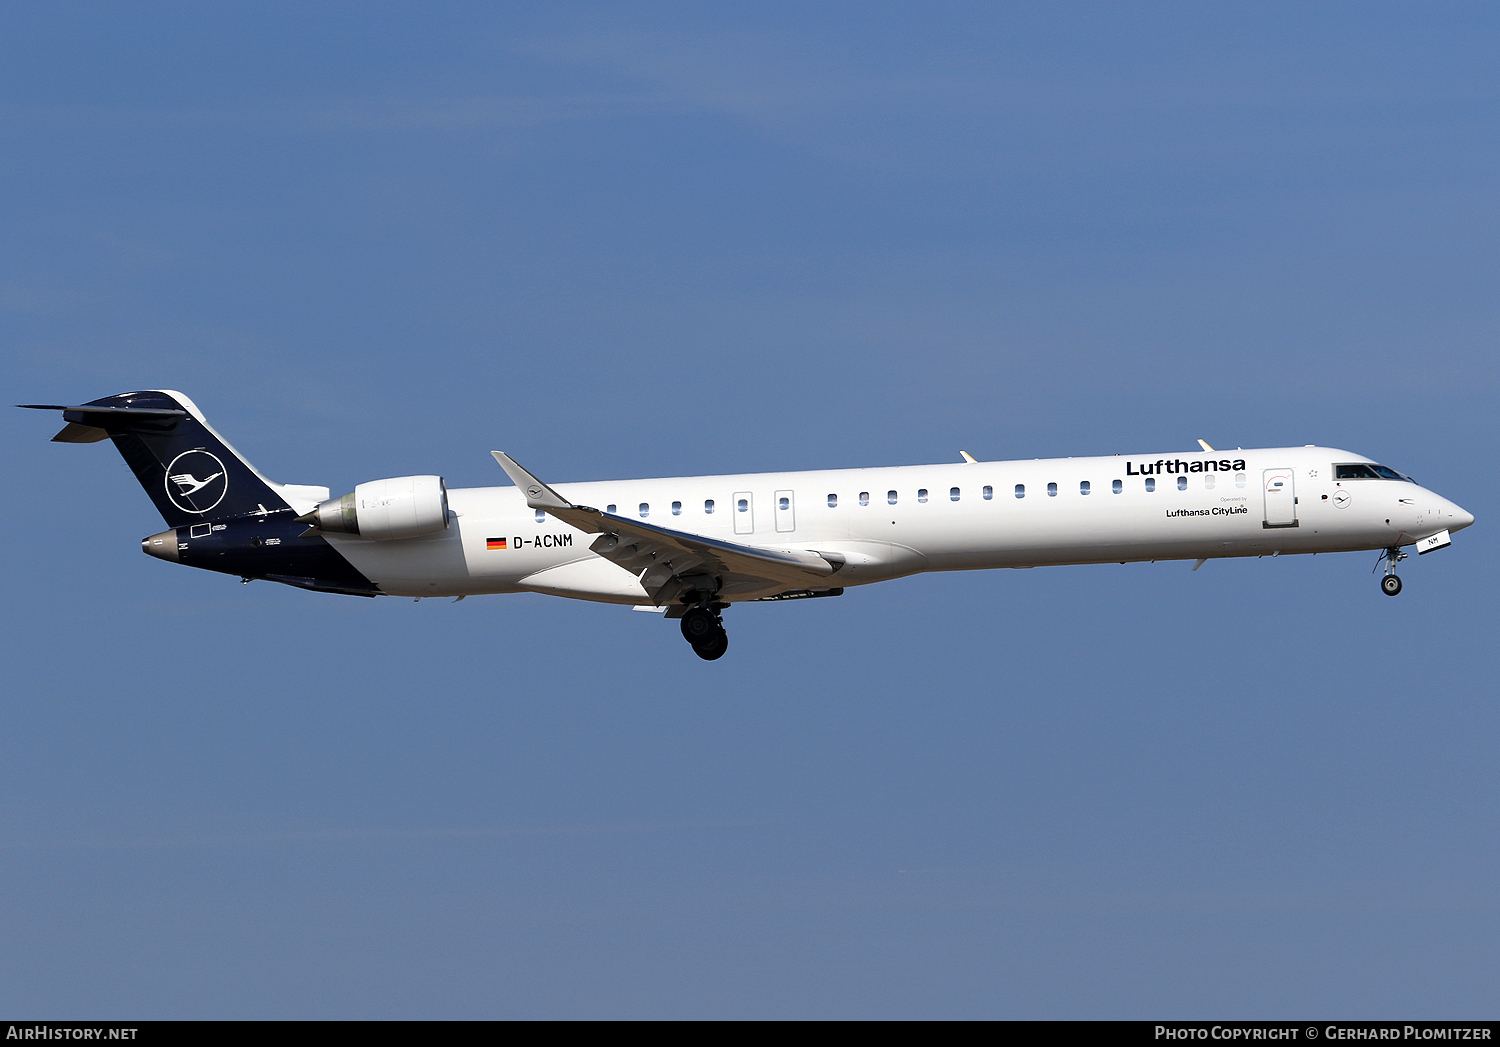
402 507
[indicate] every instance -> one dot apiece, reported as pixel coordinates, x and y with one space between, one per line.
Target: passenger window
610 509
1182 483
890 496
833 501
1239 479
1117 486
708 505
676 508
743 505
922 494
1210 481
1052 490
1150 483
1020 490
1083 488
784 504
988 492
864 498
541 516
645 509
953 494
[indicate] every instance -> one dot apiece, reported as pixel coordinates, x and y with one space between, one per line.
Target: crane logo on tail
190 483
185 488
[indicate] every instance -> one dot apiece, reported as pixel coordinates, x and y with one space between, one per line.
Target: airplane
691 546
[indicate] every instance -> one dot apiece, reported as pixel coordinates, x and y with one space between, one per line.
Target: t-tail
189 472
222 513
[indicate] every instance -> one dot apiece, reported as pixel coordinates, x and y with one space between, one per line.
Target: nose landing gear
1390 584
704 629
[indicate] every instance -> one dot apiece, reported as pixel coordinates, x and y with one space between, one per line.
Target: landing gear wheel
714 646
699 624
1390 585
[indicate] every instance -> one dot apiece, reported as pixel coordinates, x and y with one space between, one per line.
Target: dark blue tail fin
187 469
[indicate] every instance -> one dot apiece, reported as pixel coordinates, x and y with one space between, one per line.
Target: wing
670 563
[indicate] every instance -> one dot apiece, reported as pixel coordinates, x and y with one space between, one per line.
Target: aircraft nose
1461 519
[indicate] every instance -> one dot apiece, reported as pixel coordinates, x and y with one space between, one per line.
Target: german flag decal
494 543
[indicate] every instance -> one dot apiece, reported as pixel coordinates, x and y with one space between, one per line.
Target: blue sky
373 240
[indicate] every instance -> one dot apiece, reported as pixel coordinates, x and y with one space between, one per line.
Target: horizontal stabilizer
76 433
154 412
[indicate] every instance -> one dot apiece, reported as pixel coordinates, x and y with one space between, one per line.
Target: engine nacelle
402 507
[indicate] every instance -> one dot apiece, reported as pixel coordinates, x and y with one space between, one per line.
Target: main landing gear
1390 584
704 629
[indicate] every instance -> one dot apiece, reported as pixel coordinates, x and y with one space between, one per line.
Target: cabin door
785 508
1281 498
744 513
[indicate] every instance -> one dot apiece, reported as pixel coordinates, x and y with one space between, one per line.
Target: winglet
538 495
1207 448
969 458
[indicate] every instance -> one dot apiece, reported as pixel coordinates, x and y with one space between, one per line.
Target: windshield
1362 471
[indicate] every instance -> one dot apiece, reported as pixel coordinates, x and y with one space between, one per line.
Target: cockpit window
1361 471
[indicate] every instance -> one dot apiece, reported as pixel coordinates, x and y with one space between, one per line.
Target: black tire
1390 585
714 647
699 625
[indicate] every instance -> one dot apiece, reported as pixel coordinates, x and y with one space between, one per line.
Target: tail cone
162 546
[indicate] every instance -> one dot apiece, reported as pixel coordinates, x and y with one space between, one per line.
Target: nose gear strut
1390 584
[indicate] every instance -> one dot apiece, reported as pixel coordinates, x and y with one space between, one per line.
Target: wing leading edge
672 563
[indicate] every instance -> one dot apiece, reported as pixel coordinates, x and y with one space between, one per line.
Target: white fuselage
889 522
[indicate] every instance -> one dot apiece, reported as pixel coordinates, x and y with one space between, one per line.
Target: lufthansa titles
1177 465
